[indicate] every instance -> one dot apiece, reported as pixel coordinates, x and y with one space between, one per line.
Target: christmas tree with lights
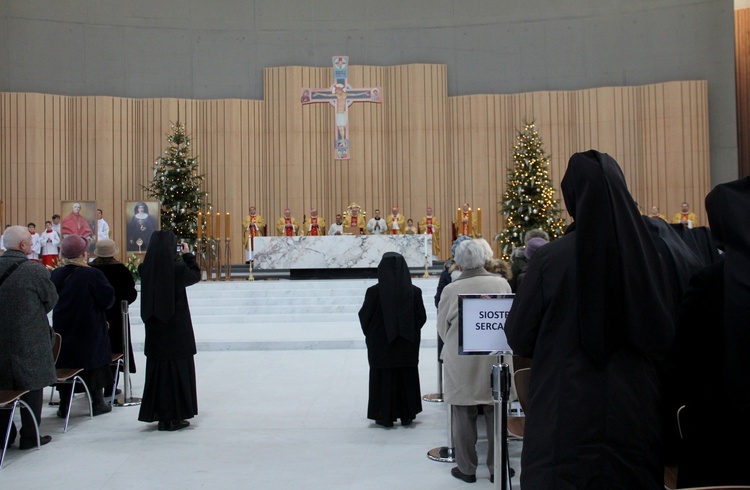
528 202
177 184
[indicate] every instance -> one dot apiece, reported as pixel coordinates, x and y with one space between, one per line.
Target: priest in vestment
314 225
685 216
355 219
252 226
467 222
287 225
395 222
75 224
430 225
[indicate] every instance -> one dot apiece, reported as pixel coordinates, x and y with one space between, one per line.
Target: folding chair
70 376
9 400
118 362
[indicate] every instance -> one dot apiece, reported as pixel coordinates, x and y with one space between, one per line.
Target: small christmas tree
528 202
177 185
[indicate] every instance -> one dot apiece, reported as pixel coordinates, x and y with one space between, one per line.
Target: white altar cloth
339 252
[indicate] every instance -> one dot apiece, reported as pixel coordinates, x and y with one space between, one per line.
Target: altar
339 252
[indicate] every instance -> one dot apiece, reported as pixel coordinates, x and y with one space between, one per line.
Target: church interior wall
418 148
132 66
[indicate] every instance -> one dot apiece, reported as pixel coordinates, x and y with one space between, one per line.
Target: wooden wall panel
417 148
742 76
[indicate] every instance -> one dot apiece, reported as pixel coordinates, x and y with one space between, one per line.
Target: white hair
489 254
470 255
14 235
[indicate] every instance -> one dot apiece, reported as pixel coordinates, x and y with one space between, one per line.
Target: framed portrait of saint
142 218
79 218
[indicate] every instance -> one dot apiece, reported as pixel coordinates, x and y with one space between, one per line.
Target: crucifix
341 95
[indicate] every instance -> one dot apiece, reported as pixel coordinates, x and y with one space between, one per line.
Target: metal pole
500 394
127 392
445 454
437 397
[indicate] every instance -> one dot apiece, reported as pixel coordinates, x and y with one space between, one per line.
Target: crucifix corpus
341 95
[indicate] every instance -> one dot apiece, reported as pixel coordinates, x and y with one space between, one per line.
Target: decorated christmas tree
528 202
177 185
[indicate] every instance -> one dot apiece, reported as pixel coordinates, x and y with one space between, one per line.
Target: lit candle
217 231
227 228
479 221
459 215
200 225
208 224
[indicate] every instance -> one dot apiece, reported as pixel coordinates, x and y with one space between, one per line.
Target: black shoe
384 423
406 422
61 413
173 425
467 478
29 444
492 478
101 408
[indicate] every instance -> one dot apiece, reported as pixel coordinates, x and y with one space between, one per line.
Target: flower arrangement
132 265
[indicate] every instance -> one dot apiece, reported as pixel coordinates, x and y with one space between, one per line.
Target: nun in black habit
169 394
391 317
713 346
594 315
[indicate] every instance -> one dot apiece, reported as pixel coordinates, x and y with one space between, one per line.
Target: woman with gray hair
467 377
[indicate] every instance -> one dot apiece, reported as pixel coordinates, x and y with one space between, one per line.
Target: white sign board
481 324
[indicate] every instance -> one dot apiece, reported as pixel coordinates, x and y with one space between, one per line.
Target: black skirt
394 394
169 392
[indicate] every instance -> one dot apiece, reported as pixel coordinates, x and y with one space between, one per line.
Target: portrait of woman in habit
140 228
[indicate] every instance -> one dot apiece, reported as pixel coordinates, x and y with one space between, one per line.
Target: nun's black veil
396 297
728 209
621 286
158 276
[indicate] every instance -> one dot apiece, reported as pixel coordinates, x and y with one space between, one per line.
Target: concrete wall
218 48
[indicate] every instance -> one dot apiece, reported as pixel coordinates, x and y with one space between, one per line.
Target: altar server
49 245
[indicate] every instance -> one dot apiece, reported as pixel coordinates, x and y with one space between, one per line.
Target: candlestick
200 225
217 231
227 228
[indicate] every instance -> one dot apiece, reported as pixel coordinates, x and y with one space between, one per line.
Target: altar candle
208 224
479 221
459 216
217 231
200 225
227 228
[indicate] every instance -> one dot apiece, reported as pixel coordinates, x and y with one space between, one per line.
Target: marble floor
282 405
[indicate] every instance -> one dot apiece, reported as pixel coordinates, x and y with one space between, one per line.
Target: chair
517 424
118 362
70 376
9 400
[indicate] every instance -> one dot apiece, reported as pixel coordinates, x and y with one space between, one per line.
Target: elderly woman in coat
79 317
26 296
467 378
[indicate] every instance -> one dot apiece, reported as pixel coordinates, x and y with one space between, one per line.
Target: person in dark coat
79 317
391 317
169 393
26 363
122 282
594 315
712 345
